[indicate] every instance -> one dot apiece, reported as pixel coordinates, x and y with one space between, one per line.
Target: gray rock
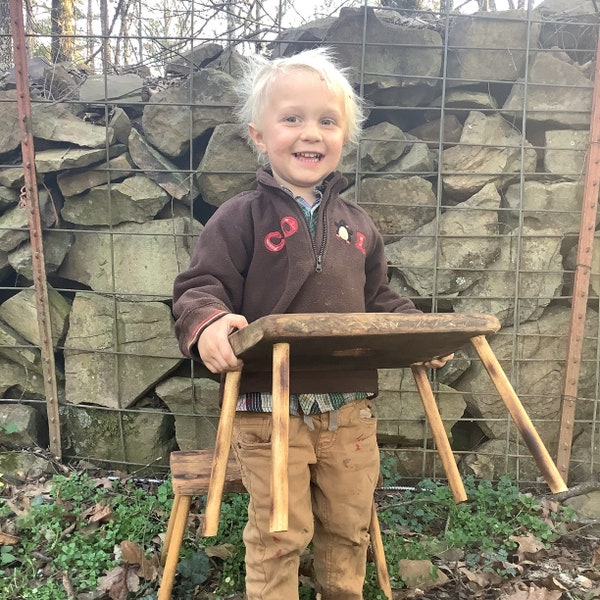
56 122
222 175
535 282
177 116
380 146
198 58
489 46
59 159
436 133
565 153
56 244
397 206
24 422
400 66
20 313
8 198
72 183
587 507
109 88
177 182
494 458
133 261
14 347
467 243
195 404
25 464
142 438
10 136
21 380
14 223
121 124
545 205
137 199
489 152
537 375
595 267
116 351
585 455
558 94
401 418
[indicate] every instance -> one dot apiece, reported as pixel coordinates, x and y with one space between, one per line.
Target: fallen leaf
101 514
532 593
420 573
481 579
223 551
133 554
111 578
8 540
530 548
119 582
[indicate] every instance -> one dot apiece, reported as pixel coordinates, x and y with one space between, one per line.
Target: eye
327 122
291 119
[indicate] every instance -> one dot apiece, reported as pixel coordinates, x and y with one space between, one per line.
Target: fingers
214 348
436 362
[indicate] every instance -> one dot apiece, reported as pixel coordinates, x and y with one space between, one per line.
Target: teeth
308 154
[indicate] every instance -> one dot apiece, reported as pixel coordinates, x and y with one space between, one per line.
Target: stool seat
351 341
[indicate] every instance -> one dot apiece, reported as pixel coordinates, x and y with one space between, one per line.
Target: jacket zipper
319 254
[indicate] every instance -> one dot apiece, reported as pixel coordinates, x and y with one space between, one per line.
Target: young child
294 246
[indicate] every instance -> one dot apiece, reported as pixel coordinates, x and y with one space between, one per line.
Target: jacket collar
332 185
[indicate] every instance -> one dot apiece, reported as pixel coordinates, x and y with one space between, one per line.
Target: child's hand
213 345
436 363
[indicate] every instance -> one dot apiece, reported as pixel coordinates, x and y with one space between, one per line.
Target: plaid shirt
300 404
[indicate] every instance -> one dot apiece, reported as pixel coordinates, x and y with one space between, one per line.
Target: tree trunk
90 32
6 49
62 19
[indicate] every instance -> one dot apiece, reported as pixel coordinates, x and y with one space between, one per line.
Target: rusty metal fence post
30 201
582 281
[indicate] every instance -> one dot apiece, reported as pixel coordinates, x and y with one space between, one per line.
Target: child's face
302 131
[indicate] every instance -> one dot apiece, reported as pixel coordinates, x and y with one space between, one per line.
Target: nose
311 131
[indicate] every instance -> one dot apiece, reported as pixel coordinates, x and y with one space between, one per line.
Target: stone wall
471 164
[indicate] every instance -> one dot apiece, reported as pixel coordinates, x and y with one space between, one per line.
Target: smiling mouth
309 156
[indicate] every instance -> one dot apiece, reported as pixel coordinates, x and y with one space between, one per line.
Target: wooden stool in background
190 472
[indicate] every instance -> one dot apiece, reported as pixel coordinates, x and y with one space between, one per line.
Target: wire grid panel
471 164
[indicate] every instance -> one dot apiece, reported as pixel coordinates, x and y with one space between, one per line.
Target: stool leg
221 453
439 433
182 508
519 415
383 576
280 438
170 525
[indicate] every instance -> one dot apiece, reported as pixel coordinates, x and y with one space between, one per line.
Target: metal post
30 200
582 281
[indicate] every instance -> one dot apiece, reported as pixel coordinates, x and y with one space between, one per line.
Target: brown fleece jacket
255 257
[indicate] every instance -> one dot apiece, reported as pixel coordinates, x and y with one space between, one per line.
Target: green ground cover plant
80 536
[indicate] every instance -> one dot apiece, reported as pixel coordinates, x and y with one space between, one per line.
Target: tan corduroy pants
333 470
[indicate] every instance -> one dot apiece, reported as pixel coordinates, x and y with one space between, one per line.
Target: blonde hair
259 72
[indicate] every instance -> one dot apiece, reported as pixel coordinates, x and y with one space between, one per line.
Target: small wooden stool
190 472
352 341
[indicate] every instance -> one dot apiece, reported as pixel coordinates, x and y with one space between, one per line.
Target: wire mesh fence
474 165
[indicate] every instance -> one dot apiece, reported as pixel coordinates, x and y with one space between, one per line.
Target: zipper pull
319 264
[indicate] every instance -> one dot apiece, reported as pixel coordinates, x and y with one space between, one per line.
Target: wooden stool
190 472
354 341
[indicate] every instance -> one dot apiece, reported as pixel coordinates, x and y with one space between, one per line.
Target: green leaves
426 521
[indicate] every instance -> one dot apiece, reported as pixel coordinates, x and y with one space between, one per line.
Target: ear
257 138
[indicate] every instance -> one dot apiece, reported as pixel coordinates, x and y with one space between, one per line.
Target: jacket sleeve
213 284
379 295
